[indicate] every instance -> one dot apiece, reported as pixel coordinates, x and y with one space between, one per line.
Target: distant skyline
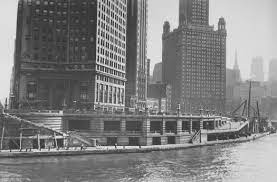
251 27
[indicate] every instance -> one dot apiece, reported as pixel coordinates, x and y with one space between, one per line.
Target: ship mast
249 100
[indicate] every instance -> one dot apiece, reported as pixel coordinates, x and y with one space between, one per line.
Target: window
31 90
84 91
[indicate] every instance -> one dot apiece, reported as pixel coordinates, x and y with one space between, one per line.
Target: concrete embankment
120 149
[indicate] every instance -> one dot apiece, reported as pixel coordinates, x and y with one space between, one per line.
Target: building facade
136 86
70 53
161 94
133 130
272 70
157 73
194 59
148 72
257 69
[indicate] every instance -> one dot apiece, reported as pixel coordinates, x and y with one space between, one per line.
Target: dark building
194 59
194 12
157 73
148 71
70 53
272 70
160 92
136 86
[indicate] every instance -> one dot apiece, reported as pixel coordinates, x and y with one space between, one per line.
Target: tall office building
257 69
157 72
194 59
148 72
70 53
272 76
136 65
194 12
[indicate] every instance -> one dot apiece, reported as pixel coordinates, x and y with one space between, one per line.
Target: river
252 161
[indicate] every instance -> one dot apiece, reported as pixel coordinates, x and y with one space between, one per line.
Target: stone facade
135 130
194 59
70 54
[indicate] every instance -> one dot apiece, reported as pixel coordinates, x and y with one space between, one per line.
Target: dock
121 149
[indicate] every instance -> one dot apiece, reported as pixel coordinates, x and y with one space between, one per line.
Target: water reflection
253 161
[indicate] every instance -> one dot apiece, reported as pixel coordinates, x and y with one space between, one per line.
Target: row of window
109 55
110 80
109 33
110 71
109 94
107 62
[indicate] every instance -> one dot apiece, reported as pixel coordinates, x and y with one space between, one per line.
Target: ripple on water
252 161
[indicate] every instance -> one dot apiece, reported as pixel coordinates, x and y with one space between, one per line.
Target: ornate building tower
194 12
194 59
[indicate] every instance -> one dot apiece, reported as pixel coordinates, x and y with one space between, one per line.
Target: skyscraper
148 71
157 72
194 12
257 69
70 53
194 59
272 76
136 86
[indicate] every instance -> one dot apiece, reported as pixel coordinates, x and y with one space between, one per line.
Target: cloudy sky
251 26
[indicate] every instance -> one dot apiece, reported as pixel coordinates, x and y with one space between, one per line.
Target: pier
121 149
58 129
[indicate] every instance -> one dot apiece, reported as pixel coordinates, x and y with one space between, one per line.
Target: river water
252 161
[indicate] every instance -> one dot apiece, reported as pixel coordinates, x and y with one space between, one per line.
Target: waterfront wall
123 129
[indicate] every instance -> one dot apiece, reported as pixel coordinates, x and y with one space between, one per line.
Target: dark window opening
133 141
156 126
134 126
156 141
111 125
31 90
111 141
171 140
84 91
78 125
171 127
185 126
195 126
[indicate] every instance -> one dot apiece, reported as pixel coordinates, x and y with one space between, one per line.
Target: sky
251 27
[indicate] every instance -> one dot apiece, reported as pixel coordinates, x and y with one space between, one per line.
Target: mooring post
20 142
56 143
2 137
39 140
